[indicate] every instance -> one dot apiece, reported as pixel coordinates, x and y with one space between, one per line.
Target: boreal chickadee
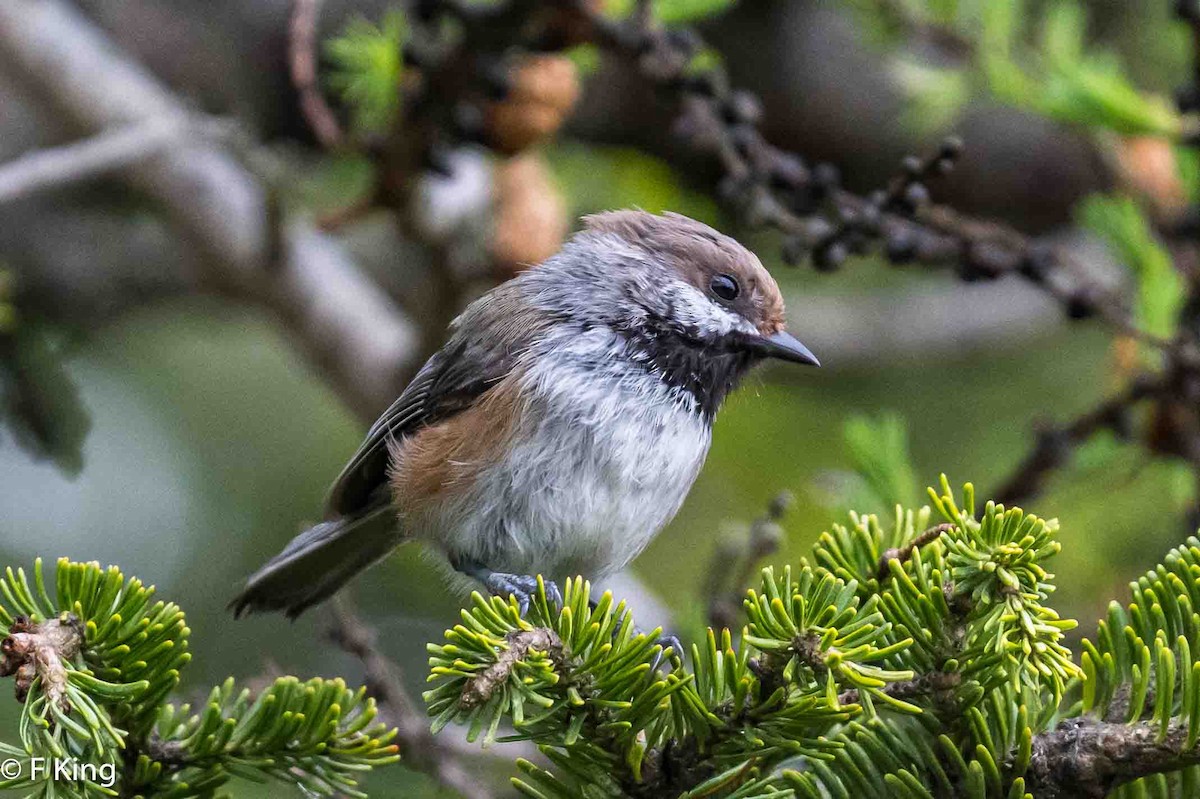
563 422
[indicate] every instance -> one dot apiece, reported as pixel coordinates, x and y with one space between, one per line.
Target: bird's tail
318 562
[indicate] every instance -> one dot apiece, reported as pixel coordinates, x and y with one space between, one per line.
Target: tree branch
72 163
770 187
419 748
1054 445
348 327
1086 759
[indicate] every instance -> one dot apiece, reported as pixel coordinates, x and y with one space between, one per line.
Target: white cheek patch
692 309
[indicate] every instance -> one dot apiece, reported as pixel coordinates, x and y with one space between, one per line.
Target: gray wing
448 382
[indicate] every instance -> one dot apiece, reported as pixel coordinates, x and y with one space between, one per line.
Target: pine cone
543 90
530 221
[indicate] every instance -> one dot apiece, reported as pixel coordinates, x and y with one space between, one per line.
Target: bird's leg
522 586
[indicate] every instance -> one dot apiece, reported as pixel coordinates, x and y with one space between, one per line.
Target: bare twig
106 152
733 562
1054 445
419 748
302 65
349 328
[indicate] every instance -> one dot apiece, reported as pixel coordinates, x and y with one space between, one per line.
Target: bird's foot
523 587
668 641
665 640
672 642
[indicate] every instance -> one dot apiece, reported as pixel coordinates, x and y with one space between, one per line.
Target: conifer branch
1087 759
95 660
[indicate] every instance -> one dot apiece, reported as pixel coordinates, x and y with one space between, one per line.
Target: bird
562 424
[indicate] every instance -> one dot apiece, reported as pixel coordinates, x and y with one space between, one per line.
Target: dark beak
781 345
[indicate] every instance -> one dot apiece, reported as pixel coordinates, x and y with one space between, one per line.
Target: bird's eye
725 287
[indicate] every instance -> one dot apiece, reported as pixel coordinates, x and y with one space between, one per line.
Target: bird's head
700 284
693 302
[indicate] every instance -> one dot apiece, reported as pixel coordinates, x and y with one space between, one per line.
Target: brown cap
699 253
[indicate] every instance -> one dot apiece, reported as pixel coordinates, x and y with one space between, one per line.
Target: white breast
605 456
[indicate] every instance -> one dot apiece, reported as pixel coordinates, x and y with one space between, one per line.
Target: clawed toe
523 587
668 641
671 641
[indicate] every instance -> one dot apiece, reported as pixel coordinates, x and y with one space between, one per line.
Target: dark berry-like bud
744 137
943 166
685 40
916 196
703 83
793 250
729 189
1080 306
496 81
1036 263
788 172
900 247
437 159
826 176
468 121
951 147
830 255
744 107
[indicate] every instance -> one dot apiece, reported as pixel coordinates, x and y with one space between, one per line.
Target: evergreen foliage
368 67
913 657
95 663
1033 56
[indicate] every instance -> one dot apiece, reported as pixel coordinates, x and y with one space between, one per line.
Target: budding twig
39 651
480 688
725 593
